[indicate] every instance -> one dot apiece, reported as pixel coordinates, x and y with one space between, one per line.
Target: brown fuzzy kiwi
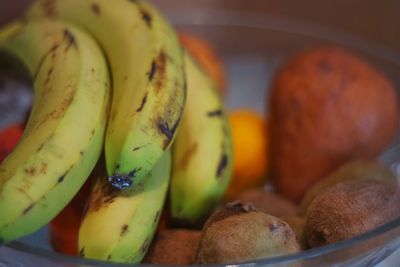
367 170
240 233
349 209
270 202
327 106
173 247
298 224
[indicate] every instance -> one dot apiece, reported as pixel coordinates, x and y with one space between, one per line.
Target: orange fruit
206 55
250 147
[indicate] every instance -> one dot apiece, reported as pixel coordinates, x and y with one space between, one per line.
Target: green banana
119 224
64 135
148 80
202 151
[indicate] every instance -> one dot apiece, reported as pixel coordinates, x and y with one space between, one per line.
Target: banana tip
120 181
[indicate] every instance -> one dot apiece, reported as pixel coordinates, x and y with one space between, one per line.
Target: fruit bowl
253 46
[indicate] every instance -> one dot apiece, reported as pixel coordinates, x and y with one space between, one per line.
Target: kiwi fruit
270 202
298 224
173 247
368 170
240 232
349 209
327 106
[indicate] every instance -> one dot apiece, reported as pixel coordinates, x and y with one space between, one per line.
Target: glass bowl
252 46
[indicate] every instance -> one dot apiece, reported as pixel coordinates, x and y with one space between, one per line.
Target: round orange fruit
250 147
206 55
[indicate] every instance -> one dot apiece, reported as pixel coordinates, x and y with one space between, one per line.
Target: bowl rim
286 259
229 18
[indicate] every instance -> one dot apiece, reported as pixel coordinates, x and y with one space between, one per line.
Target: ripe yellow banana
202 151
119 224
148 80
64 135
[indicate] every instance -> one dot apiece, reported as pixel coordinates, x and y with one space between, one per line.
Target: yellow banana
119 224
64 135
202 151
148 80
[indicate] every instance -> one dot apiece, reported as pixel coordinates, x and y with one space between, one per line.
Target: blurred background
372 20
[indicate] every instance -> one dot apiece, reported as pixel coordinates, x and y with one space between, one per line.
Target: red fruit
64 228
9 138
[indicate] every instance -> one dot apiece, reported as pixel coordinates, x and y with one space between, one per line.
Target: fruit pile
118 97
130 156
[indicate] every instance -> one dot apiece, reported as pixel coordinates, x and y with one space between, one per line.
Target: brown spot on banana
157 217
51 51
190 151
47 80
136 148
109 200
109 257
96 9
49 72
63 106
161 67
94 203
27 209
70 42
167 131
223 162
152 71
69 38
185 90
117 167
140 147
124 230
31 171
58 112
214 113
146 17
82 252
143 103
62 177
43 168
103 193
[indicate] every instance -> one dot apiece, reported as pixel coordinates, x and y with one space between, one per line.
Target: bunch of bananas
112 74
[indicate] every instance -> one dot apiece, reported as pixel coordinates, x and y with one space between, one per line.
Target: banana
148 80
64 134
119 224
202 151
